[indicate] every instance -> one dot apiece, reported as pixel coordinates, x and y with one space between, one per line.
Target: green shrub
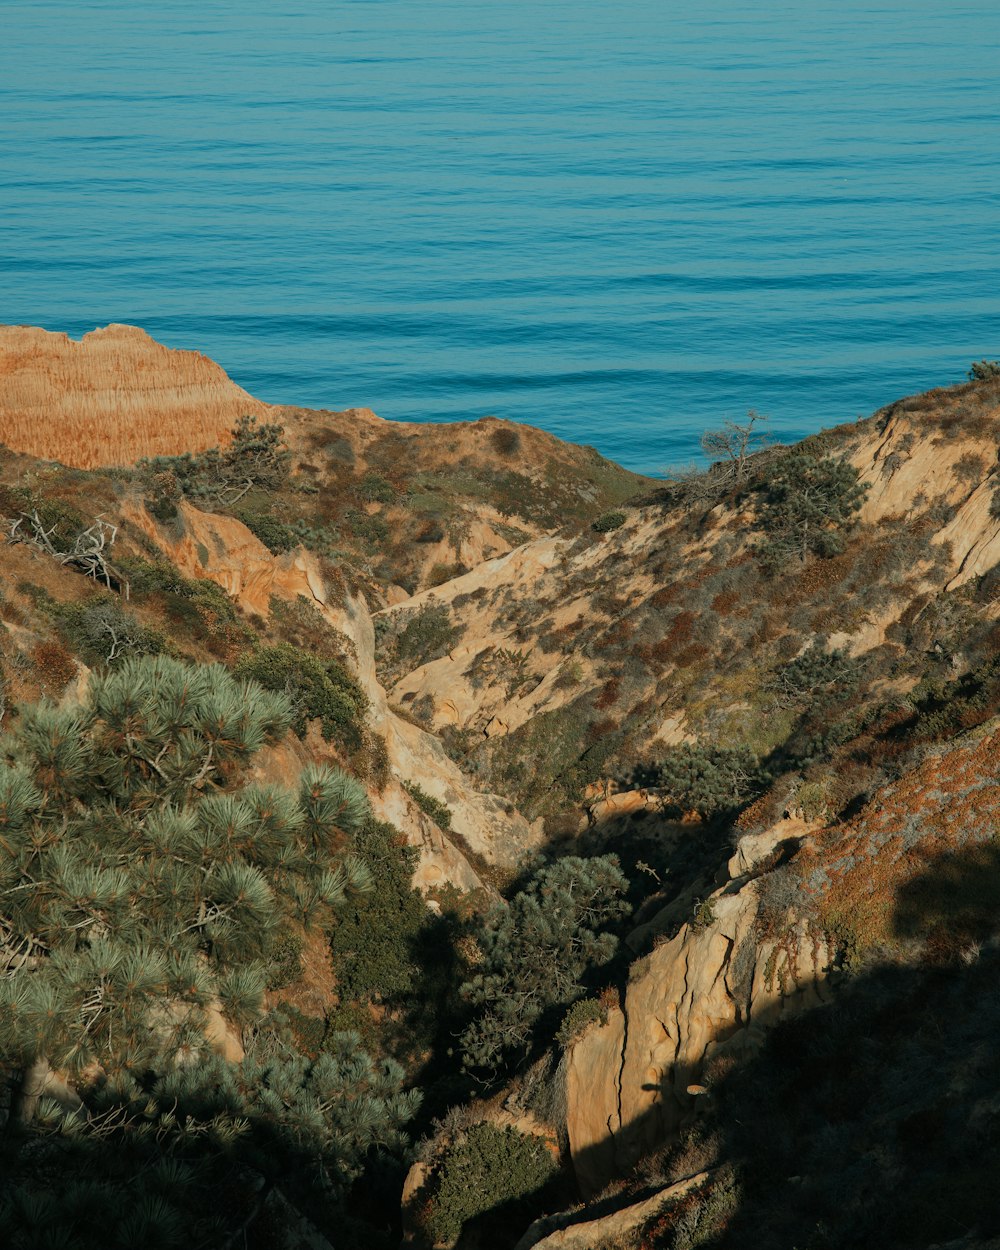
318 689
274 534
984 370
579 1018
545 763
704 913
101 631
704 779
485 1170
374 488
427 635
375 935
439 812
812 798
285 959
505 441
196 609
164 495
370 529
160 577
816 674
609 521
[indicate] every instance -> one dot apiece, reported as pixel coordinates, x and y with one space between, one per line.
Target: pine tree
535 952
141 885
808 503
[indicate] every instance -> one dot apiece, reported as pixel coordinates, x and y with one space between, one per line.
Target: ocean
623 222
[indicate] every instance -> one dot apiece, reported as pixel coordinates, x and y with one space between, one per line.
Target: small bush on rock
439 812
427 635
274 534
484 1170
576 1021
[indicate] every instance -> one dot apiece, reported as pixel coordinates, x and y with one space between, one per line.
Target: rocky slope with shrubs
674 828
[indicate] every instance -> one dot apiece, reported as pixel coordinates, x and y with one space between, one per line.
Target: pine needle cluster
143 889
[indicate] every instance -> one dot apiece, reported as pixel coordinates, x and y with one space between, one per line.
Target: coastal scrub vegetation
228 1012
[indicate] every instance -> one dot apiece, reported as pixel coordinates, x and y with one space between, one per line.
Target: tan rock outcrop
111 397
594 1100
753 848
608 1229
713 985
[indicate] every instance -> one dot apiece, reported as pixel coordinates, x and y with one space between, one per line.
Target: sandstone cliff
111 397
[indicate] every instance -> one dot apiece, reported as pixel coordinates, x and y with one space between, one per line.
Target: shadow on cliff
869 1121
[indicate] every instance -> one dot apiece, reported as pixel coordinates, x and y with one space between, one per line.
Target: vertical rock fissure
621 1072
685 996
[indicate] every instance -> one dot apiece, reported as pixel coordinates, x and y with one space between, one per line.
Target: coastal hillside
437 833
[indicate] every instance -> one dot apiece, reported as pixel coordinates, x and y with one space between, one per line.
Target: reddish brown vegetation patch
609 694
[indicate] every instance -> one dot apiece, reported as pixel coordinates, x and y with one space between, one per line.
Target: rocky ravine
624 621
223 550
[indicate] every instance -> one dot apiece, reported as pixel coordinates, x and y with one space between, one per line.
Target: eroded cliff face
714 987
111 397
221 549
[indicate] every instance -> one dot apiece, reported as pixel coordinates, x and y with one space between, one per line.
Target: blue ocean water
624 222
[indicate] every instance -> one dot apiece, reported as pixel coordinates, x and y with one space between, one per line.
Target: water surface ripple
622 222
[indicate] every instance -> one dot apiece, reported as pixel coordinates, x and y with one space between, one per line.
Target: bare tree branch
88 554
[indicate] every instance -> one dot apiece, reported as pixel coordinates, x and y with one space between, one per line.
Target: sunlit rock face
111 398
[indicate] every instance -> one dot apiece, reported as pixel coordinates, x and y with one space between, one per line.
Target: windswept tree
255 458
731 446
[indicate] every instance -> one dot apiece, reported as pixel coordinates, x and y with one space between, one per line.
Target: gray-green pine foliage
708 780
142 887
535 953
807 503
132 877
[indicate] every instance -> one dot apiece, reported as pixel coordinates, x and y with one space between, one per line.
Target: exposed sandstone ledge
605 1231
